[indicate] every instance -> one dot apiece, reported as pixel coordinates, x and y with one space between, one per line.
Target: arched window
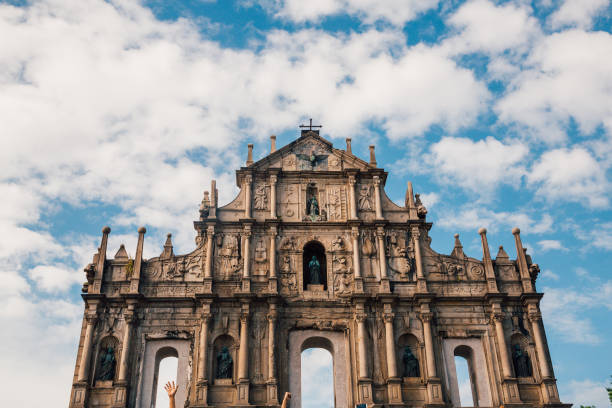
317 367
408 356
224 359
108 359
466 379
314 265
166 369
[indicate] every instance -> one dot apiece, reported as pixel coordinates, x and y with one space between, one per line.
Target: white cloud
566 76
429 199
548 274
396 12
550 244
472 218
485 27
478 166
585 392
565 309
55 278
570 175
317 378
577 13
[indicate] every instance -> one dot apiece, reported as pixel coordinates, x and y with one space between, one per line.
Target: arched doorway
314 266
334 342
465 382
317 378
166 370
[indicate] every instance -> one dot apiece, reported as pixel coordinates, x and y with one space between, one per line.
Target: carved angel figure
365 203
260 200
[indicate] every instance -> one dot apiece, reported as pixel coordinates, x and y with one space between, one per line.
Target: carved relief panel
289 196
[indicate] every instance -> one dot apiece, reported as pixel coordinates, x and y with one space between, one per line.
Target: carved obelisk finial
272 143
486 260
249 160
349 150
372 156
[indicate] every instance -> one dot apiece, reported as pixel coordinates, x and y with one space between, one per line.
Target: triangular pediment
310 152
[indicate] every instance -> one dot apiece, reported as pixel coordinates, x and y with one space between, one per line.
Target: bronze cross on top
310 126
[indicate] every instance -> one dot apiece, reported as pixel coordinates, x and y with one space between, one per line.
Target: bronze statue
522 365
224 364
312 206
314 269
411 364
106 372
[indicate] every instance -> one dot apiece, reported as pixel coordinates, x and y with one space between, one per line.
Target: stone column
210 237
394 389
203 348
353 202
246 260
91 318
498 318
272 382
273 180
125 348
377 199
421 282
536 323
365 383
361 334
382 259
135 279
243 357
429 350
272 282
356 260
248 180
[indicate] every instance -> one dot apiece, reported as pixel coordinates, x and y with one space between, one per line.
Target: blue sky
121 112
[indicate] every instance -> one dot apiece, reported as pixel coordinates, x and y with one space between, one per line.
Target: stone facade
393 313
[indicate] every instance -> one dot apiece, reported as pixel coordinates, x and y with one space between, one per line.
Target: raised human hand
170 389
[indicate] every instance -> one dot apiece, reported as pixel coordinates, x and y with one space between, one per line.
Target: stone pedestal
365 391
246 285
394 390
315 288
434 393
511 393
201 394
79 395
359 285
273 285
207 285
243 392
272 392
120 395
385 287
550 394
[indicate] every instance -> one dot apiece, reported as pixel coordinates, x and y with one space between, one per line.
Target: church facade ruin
312 253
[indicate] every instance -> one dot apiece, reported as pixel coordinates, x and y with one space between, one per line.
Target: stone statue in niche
106 372
261 258
260 199
224 363
365 201
312 207
522 365
411 363
338 244
314 271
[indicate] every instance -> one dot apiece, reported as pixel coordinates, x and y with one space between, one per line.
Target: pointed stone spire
349 150
135 279
214 194
272 143
501 254
99 260
249 160
409 201
168 250
372 156
458 249
121 253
